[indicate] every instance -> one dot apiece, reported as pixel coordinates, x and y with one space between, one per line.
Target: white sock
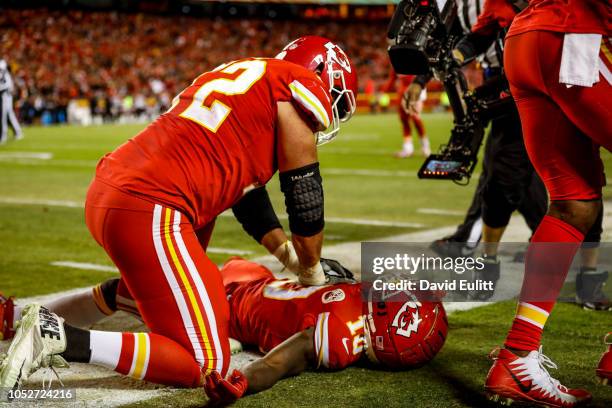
425 143
105 348
408 147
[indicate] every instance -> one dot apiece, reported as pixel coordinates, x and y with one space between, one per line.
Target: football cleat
526 379
604 369
7 309
39 340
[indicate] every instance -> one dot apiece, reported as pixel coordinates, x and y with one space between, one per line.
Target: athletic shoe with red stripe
7 309
604 369
525 379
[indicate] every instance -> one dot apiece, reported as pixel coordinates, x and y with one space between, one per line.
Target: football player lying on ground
326 327
155 198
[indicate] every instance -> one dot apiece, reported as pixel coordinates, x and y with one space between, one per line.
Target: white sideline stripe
85 266
26 155
438 211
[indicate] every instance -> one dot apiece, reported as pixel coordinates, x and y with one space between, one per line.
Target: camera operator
508 181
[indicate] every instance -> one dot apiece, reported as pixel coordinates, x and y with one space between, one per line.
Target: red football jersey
268 311
217 139
565 16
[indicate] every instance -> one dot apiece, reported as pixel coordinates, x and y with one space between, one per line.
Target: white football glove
286 255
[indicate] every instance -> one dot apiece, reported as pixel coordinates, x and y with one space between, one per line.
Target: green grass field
41 222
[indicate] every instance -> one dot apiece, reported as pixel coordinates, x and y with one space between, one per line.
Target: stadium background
114 65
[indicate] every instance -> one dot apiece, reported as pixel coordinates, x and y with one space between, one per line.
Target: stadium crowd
117 64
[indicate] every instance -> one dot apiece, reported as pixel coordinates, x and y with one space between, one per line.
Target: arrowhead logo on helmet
402 332
335 69
407 319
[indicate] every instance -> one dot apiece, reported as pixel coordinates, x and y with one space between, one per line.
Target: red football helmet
322 56
402 332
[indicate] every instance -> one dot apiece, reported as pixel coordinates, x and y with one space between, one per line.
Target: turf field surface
369 195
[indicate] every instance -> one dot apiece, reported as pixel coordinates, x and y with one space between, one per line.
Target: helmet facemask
343 102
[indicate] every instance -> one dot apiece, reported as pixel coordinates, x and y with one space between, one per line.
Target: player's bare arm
289 358
298 168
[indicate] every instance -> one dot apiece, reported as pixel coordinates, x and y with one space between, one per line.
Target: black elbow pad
303 191
256 214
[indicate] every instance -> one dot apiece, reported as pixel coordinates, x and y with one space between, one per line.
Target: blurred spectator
7 113
128 66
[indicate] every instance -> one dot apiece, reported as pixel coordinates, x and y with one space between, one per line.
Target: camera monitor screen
438 166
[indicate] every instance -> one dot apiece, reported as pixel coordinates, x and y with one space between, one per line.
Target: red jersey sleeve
334 344
309 95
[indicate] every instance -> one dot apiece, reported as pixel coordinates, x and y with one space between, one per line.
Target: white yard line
85 266
64 163
229 251
377 223
439 211
37 201
25 155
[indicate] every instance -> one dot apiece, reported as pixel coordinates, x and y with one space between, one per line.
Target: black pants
508 182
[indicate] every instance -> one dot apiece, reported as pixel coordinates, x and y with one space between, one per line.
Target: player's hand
335 272
223 392
286 255
411 98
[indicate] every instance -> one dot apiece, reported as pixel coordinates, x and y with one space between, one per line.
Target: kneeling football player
155 198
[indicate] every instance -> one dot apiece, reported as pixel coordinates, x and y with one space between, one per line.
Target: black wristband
256 214
303 191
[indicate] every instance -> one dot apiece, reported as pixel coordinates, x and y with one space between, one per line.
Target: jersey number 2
213 116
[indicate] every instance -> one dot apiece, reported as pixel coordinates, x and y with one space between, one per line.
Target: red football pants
562 127
177 289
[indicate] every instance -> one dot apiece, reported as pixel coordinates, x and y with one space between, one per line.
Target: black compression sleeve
256 214
303 191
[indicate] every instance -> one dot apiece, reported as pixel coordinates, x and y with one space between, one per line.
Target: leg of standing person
563 128
12 119
3 119
407 145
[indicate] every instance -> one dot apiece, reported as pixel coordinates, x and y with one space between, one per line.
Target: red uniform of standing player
406 116
225 134
559 72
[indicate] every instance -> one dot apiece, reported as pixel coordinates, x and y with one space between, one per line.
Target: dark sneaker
589 290
490 272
